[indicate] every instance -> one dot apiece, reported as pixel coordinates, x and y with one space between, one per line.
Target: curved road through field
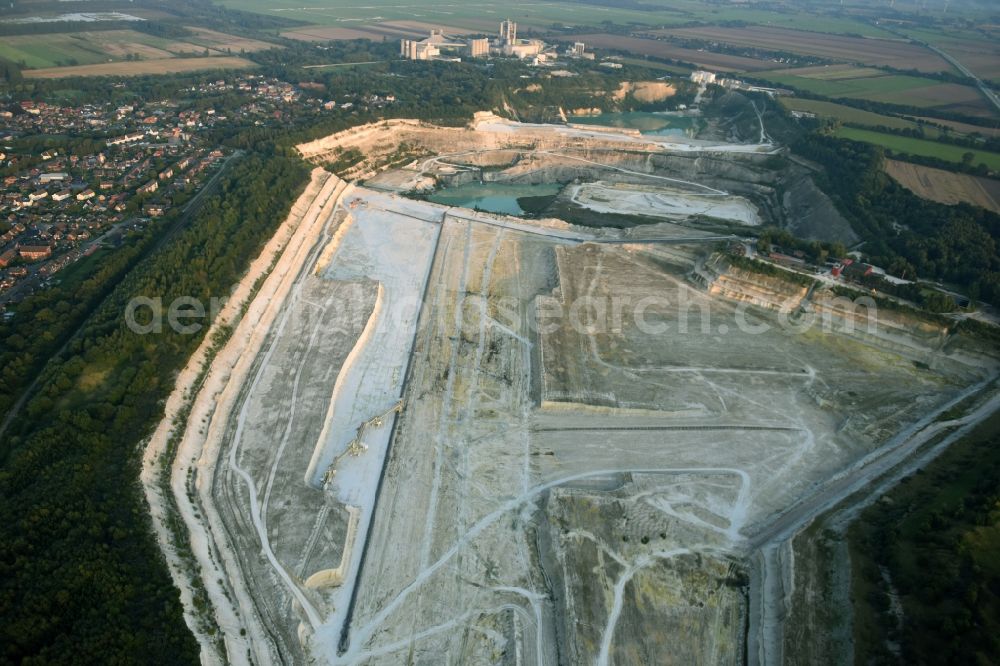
954 62
987 92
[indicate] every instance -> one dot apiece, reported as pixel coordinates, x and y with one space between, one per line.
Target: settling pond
655 124
493 197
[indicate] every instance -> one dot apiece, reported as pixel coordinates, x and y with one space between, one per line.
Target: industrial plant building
439 47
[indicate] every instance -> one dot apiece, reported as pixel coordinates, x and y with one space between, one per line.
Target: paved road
987 92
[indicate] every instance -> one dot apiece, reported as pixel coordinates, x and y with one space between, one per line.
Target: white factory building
702 77
430 48
506 45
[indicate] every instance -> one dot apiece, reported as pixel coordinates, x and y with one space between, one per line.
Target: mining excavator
357 446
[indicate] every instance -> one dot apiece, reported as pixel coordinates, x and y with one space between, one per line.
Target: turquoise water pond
492 197
658 124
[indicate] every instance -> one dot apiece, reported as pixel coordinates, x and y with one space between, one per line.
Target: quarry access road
683 240
362 634
668 428
711 190
554 234
868 469
772 567
954 62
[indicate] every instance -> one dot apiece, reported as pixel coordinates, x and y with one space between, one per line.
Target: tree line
83 579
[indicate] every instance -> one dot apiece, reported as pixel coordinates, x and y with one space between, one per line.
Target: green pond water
659 124
492 197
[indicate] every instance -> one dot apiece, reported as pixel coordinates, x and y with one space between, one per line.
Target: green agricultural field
889 88
23 57
902 144
542 15
475 15
864 87
97 47
806 21
659 66
51 50
831 72
954 39
848 114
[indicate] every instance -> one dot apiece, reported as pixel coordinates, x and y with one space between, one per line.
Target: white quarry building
524 48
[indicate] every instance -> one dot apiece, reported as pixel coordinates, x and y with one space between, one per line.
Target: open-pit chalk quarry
446 436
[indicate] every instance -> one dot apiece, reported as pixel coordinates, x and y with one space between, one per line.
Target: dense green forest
82 579
43 321
936 538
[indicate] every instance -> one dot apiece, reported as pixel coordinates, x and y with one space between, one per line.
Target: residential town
57 207
125 166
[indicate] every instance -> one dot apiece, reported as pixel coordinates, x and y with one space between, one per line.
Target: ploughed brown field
944 186
664 49
423 29
160 66
328 34
874 52
942 96
220 41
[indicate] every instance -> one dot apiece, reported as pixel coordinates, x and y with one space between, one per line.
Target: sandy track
771 582
280 261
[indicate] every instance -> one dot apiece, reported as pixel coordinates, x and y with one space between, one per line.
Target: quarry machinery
357 446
